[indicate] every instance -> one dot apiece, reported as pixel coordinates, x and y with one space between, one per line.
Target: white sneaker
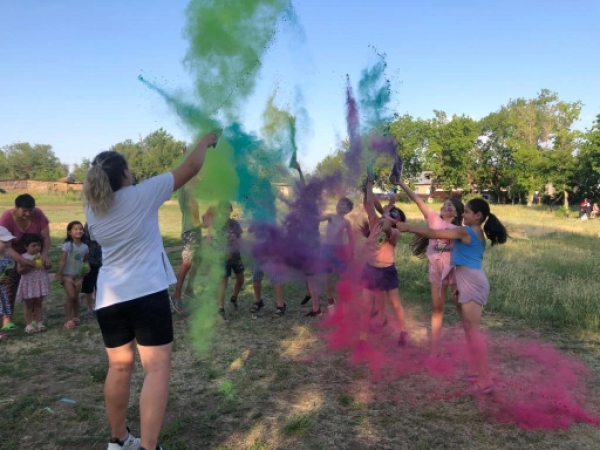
131 443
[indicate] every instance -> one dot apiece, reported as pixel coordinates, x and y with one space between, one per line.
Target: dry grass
272 384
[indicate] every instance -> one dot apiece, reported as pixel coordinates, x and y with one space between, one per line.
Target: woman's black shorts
146 319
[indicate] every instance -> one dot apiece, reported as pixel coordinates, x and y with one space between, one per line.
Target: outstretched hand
209 140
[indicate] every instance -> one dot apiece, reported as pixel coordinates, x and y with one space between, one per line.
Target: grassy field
272 384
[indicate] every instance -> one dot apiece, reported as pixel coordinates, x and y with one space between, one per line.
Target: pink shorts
473 286
440 271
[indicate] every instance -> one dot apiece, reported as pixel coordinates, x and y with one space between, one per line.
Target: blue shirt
468 255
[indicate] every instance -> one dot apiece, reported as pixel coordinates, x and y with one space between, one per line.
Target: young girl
71 269
472 284
34 284
438 251
379 274
6 265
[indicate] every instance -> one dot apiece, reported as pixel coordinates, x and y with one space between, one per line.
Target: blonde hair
103 179
97 194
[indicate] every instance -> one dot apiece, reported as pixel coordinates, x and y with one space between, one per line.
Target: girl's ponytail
103 179
494 230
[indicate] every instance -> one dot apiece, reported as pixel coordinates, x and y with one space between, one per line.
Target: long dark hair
418 244
492 227
103 179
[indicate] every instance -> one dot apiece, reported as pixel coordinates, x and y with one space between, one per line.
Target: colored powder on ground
536 387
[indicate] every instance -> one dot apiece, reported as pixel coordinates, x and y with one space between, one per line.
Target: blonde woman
132 299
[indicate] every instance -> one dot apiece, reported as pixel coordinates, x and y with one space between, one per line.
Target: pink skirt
472 285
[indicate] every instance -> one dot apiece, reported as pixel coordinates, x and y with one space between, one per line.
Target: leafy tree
331 164
152 155
587 167
412 137
22 161
79 171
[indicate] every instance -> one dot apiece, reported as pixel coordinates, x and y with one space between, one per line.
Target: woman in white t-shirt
132 299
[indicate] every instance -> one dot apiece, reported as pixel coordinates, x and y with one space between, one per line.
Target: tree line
521 148
148 156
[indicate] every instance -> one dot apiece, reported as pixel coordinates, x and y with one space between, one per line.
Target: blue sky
69 68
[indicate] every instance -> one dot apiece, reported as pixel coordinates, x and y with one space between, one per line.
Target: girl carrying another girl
34 284
472 284
71 270
438 251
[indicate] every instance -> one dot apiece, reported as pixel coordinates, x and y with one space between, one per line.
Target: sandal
280 311
257 306
69 324
9 326
31 329
234 302
177 306
41 327
3 336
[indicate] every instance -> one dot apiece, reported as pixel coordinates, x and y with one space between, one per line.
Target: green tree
22 161
151 155
587 167
449 148
79 171
331 164
492 158
412 136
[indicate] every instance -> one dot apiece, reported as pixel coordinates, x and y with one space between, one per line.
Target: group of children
453 241
77 272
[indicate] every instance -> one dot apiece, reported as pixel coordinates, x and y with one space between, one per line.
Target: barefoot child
34 285
438 251
379 275
6 265
472 284
335 250
71 269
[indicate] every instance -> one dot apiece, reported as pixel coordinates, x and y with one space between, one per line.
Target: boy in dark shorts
229 237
